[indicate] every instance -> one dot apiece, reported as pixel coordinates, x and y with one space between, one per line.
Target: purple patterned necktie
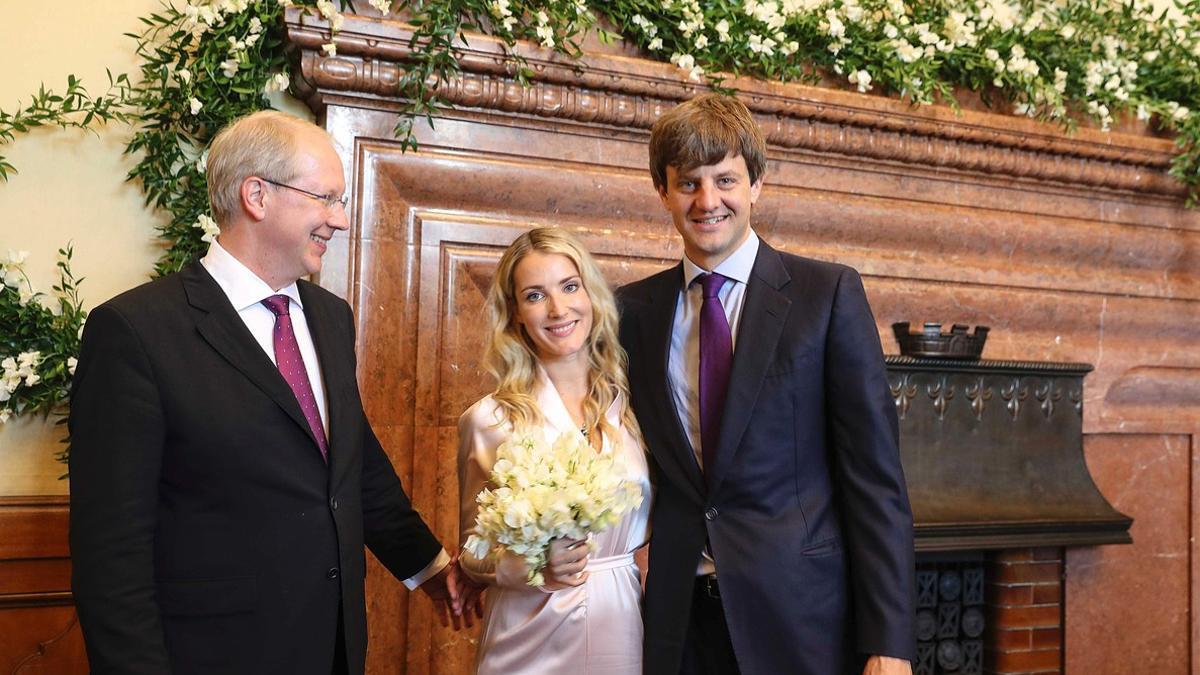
716 359
291 366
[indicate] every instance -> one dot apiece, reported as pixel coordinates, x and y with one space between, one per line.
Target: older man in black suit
781 530
224 478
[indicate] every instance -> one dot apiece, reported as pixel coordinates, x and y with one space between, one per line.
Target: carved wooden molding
632 93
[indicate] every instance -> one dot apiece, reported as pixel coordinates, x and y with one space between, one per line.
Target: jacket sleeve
117 439
864 433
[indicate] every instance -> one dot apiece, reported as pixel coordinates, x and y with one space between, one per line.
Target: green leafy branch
74 108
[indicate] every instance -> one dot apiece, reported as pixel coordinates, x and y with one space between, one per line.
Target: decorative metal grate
950 616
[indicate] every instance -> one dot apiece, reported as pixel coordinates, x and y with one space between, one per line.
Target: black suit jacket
208 535
808 517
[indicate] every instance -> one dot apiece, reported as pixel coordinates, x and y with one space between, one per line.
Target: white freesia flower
760 45
207 225
701 42
722 29
195 104
25 294
202 162
861 78
278 82
72 363
833 25
545 491
1143 113
655 44
184 75
384 6
906 51
1060 80
330 49
230 67
4 414
1067 31
684 61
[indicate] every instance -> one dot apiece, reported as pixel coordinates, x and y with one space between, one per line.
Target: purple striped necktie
291 366
716 360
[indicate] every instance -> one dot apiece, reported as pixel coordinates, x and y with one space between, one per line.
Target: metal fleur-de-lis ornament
978 394
1048 395
1013 394
903 392
941 392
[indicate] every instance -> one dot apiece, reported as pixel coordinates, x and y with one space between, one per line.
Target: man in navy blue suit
781 531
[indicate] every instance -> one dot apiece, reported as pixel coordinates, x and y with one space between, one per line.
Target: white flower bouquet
542 492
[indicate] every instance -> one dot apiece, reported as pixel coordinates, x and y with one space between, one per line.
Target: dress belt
610 563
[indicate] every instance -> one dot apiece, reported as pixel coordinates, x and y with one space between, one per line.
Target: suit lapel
763 317
655 325
225 331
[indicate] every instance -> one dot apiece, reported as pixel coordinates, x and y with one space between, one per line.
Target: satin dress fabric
595 628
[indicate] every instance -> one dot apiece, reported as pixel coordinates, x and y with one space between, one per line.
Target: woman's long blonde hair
512 358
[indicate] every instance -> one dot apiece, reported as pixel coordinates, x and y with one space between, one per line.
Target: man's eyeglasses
328 200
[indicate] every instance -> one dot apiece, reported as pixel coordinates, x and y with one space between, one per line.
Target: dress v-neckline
554 409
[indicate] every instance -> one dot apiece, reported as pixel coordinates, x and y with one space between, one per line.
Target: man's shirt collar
243 287
737 266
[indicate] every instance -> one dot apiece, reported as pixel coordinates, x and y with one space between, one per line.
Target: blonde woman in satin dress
559 369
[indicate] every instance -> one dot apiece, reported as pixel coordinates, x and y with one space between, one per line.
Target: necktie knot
711 284
278 304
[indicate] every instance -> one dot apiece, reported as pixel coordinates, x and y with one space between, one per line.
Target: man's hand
443 589
471 596
887 665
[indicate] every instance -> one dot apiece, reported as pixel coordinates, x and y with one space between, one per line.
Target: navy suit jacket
208 535
807 515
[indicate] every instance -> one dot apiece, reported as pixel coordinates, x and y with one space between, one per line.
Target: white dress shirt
683 364
246 291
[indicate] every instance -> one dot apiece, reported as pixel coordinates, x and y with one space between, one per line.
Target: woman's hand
564 564
511 570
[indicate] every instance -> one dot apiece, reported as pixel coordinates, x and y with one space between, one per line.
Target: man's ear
253 193
755 189
662 194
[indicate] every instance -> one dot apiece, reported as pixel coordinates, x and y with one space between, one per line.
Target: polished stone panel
1127 607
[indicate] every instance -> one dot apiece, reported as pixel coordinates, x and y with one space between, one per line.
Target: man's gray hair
260 144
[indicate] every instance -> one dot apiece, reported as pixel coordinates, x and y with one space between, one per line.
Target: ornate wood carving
610 90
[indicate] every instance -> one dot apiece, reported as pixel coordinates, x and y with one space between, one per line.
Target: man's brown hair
702 131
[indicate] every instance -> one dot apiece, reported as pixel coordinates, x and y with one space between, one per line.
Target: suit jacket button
333 503
333 573
711 513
